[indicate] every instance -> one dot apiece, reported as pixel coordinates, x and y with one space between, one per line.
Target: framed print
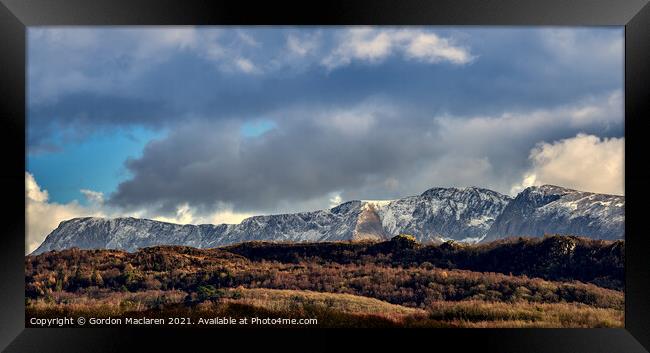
469 173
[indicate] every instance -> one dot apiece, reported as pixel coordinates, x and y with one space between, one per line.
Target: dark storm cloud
372 150
369 128
299 160
76 116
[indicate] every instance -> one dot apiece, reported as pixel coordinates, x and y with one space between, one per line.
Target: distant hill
557 258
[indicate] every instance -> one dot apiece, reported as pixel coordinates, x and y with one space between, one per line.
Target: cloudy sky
213 124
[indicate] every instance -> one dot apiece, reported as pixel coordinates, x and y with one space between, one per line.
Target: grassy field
330 309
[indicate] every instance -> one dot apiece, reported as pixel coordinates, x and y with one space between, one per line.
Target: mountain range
468 214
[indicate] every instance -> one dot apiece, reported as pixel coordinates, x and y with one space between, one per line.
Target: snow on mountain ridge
547 209
468 214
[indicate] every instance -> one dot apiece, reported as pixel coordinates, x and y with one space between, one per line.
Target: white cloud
185 214
335 200
246 65
374 45
494 148
431 48
33 192
482 131
95 197
226 216
41 216
303 45
584 162
68 60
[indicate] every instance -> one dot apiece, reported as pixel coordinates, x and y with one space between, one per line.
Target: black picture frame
16 15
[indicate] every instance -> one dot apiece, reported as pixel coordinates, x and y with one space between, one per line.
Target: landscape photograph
335 176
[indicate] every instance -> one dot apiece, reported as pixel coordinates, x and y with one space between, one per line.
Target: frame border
16 15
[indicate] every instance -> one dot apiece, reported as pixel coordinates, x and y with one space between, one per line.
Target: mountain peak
345 206
551 189
462 192
546 209
559 190
446 190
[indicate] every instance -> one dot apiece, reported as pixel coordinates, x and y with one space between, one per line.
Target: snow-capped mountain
464 214
539 210
443 213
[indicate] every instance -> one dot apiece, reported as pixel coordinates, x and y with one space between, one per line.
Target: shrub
404 241
209 292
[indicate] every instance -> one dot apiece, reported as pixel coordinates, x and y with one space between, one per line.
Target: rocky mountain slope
439 214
